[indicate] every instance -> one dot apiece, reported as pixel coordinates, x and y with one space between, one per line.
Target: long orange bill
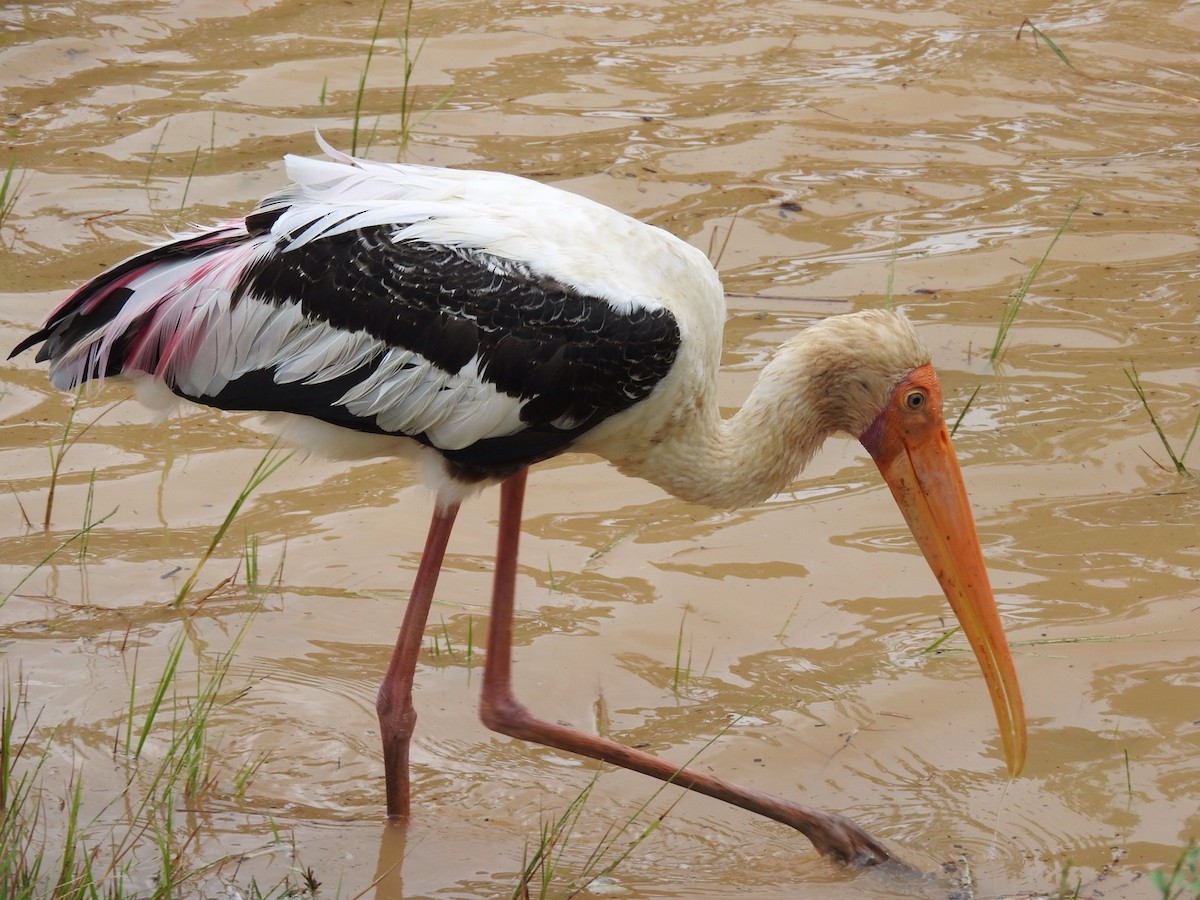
911 446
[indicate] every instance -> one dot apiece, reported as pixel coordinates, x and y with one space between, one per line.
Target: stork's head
898 418
884 391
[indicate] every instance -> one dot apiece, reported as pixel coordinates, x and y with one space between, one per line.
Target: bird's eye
915 400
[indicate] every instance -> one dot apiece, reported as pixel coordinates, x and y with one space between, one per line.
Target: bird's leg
397 717
832 835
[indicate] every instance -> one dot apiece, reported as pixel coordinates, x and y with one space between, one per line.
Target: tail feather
101 329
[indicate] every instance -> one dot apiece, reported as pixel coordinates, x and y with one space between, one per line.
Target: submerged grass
187 185
1041 35
1067 891
681 674
411 47
58 548
190 175
1183 879
59 449
937 644
1013 306
165 682
266 467
1176 458
1009 314
362 84
544 868
889 288
441 642
714 253
408 91
154 154
10 192
963 412
54 843
52 847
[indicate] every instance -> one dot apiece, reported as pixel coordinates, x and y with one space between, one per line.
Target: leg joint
505 715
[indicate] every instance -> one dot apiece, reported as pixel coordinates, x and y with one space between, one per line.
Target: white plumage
586 245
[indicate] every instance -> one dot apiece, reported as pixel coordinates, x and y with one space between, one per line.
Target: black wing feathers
575 359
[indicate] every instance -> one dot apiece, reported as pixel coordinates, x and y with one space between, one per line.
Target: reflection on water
824 151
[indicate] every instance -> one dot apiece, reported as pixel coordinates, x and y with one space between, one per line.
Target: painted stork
476 323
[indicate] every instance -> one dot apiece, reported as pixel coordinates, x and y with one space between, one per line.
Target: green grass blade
586 877
1018 297
187 185
949 633
154 152
49 556
1132 375
362 80
266 467
10 191
891 275
1187 445
676 676
1041 35
963 411
160 692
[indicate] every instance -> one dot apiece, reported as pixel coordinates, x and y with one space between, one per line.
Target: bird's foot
839 839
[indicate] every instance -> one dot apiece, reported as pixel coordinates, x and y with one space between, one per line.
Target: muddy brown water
849 147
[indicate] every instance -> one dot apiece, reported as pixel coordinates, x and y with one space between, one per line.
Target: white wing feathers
403 393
